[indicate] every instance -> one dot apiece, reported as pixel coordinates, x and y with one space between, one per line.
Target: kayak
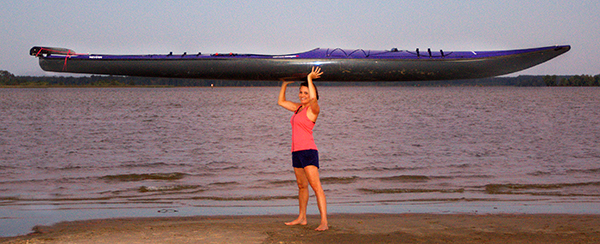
337 64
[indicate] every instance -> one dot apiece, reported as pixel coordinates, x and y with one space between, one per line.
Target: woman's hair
306 84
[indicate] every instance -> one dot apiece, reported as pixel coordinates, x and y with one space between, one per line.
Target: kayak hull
337 64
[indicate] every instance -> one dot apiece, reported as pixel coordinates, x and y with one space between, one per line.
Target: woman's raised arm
312 92
281 101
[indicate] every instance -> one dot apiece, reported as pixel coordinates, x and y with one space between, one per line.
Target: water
229 148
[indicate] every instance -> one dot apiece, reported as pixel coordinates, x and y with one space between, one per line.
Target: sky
283 27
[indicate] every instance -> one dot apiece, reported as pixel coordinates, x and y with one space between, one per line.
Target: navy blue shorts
301 159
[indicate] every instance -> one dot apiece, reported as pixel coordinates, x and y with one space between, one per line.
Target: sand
344 228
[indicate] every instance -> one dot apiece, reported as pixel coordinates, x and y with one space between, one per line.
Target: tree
578 80
4 74
7 78
550 80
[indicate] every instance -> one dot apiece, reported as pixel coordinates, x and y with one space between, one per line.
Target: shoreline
344 228
20 220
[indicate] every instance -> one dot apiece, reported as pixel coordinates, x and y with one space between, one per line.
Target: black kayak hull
344 68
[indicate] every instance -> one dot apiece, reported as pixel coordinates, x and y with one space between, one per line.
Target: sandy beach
344 228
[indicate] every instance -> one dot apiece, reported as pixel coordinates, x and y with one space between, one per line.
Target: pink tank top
302 132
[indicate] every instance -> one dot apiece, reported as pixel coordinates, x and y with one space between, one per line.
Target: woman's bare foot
322 227
298 221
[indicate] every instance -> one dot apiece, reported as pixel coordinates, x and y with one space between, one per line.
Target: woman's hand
287 82
315 73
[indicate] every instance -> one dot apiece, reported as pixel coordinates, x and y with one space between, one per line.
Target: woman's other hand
315 73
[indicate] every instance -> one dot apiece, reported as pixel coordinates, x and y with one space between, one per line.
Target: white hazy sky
279 27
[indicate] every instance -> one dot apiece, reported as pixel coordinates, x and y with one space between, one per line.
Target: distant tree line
9 80
577 80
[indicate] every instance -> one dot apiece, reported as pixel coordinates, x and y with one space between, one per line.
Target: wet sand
344 228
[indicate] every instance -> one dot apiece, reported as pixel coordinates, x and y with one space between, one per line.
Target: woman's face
303 95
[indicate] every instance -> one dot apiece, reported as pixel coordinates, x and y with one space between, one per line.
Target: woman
305 157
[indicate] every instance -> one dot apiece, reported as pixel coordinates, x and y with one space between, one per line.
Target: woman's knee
302 185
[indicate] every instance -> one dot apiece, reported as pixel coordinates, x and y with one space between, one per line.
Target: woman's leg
312 174
302 197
